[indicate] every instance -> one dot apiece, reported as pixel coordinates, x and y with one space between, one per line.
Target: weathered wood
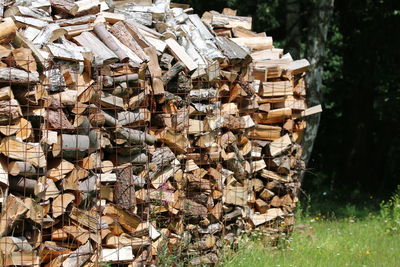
180 53
16 76
48 34
231 50
71 146
155 71
10 111
229 21
135 136
76 21
121 32
65 52
108 40
254 43
102 54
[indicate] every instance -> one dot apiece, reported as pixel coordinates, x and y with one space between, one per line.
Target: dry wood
7 31
16 76
179 52
108 40
14 210
102 53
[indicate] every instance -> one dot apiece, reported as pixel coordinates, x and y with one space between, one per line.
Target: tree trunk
316 49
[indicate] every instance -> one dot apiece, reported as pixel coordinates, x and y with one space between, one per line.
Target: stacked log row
143 131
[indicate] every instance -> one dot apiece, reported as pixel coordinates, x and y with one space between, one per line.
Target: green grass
326 243
369 240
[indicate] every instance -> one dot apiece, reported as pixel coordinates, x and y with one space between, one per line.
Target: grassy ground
371 240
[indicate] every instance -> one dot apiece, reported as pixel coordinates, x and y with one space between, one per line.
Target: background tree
354 49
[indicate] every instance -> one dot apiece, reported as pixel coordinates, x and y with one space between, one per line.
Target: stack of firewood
134 129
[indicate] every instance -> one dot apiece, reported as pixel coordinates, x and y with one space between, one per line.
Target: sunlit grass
319 242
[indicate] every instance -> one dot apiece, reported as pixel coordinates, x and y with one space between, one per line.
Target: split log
22 168
102 54
108 40
10 110
121 32
28 152
180 53
7 31
13 210
71 146
16 76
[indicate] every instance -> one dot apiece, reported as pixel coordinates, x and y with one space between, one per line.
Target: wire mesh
97 168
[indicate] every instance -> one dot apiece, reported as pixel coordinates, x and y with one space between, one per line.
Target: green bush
390 213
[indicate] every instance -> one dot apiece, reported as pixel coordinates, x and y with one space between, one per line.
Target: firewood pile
131 129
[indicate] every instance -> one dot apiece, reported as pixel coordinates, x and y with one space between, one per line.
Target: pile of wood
133 129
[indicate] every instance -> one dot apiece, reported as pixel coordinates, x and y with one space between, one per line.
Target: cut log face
133 126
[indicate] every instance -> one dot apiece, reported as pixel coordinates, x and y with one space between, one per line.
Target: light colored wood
17 76
297 67
60 204
107 38
76 21
229 21
279 145
13 210
180 53
21 41
264 132
85 7
65 52
29 152
48 34
176 141
155 71
87 219
128 221
112 18
270 215
7 31
254 43
21 129
26 21
122 33
273 116
9 244
23 168
240 32
71 146
24 59
102 54
310 111
21 258
116 254
60 170
6 93
235 195
77 233
266 54
273 89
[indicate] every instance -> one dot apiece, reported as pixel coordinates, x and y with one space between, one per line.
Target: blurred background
354 49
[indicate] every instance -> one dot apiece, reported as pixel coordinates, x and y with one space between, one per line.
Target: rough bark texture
316 51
